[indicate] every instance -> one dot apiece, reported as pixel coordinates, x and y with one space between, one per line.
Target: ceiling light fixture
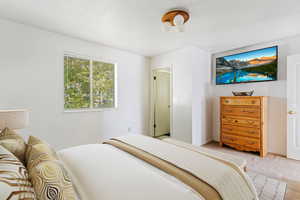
174 20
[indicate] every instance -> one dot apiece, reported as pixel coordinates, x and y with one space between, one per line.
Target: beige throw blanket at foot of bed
211 178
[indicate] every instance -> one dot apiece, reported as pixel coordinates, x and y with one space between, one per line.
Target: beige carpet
274 166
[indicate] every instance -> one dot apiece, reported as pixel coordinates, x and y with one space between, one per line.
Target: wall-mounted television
252 66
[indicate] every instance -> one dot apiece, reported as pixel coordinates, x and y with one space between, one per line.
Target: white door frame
170 69
293 150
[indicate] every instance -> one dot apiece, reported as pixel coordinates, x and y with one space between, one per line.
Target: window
88 84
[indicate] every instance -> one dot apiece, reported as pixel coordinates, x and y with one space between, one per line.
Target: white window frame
91 59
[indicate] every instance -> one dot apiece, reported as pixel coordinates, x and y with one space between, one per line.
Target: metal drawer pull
291 112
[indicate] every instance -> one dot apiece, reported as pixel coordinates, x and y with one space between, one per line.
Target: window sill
90 110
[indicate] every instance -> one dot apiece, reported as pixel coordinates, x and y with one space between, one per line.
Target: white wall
31 69
276 90
201 88
191 76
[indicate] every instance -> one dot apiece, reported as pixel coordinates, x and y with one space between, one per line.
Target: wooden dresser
244 123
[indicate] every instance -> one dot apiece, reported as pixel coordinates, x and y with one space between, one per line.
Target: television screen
251 66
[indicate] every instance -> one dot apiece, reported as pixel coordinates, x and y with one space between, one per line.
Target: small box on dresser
243 122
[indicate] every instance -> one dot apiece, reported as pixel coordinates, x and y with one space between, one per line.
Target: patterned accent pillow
13 143
51 181
14 183
31 141
43 146
34 140
48 175
40 153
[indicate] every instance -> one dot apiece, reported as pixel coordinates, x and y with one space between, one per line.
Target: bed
131 167
139 167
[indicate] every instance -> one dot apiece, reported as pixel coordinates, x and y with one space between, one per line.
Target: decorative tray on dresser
244 123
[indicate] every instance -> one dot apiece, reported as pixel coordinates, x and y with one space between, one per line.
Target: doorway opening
161 112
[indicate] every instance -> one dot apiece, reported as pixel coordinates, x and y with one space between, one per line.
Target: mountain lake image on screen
251 66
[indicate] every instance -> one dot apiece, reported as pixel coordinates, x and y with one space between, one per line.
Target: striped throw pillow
14 181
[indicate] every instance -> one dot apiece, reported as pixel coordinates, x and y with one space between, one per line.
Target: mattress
104 172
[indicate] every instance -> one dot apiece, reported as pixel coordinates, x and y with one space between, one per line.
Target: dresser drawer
241 101
242 141
238 121
246 111
241 131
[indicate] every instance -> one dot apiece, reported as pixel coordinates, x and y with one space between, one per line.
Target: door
161 102
293 107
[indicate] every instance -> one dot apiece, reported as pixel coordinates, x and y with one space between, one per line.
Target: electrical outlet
129 129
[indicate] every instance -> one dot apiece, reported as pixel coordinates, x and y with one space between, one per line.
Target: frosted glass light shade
14 119
178 20
178 24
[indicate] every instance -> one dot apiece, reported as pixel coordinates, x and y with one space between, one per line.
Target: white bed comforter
103 172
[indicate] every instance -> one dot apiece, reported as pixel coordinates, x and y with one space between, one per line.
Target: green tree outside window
103 85
88 84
